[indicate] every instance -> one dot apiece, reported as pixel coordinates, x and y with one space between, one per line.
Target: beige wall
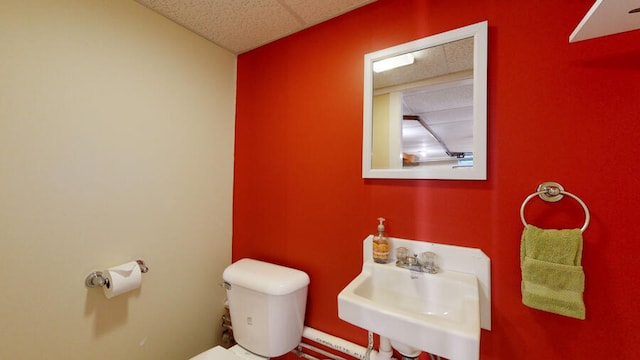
380 135
116 143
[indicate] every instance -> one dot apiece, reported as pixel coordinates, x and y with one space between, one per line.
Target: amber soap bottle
381 245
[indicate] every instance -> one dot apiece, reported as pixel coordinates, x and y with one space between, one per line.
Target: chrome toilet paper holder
97 279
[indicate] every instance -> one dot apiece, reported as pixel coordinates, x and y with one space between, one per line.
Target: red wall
557 112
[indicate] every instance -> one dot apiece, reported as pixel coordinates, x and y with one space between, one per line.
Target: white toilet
267 303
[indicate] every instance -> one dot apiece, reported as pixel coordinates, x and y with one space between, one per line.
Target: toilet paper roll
122 278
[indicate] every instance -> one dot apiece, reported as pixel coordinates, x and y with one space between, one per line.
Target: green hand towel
552 275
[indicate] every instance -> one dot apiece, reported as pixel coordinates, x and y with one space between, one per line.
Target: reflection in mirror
425 108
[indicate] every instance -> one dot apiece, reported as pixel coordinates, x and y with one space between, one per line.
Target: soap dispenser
381 244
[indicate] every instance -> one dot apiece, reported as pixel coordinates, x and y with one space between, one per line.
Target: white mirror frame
478 171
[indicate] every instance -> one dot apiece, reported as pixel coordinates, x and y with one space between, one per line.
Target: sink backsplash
451 258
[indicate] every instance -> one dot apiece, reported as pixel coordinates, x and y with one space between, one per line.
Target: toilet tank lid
265 277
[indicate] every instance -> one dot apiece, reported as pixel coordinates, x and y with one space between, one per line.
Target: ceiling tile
314 12
242 25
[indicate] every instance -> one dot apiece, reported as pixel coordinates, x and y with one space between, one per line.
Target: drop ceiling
243 25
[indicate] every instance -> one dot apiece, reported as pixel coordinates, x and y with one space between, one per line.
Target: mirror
425 108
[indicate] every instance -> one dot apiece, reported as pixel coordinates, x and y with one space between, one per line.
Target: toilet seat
236 352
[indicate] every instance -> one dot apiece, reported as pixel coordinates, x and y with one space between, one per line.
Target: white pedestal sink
439 313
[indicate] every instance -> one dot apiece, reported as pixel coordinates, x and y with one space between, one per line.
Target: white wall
116 143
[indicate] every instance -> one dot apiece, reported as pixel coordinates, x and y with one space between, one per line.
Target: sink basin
437 313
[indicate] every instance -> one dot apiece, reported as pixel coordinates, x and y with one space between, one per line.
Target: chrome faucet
426 262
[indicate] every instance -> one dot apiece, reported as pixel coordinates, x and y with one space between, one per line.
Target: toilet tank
267 303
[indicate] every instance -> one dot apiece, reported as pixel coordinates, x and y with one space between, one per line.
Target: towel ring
552 192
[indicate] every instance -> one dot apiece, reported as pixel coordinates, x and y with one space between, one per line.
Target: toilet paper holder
97 279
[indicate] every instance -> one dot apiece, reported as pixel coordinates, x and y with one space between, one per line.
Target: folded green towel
552 277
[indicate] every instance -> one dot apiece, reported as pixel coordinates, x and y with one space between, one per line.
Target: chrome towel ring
551 192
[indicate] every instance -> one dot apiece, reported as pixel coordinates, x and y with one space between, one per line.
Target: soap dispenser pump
381 244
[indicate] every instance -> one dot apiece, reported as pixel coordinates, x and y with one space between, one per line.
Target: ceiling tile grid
314 12
242 25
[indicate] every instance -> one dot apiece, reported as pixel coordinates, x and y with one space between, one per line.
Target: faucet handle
429 262
402 255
